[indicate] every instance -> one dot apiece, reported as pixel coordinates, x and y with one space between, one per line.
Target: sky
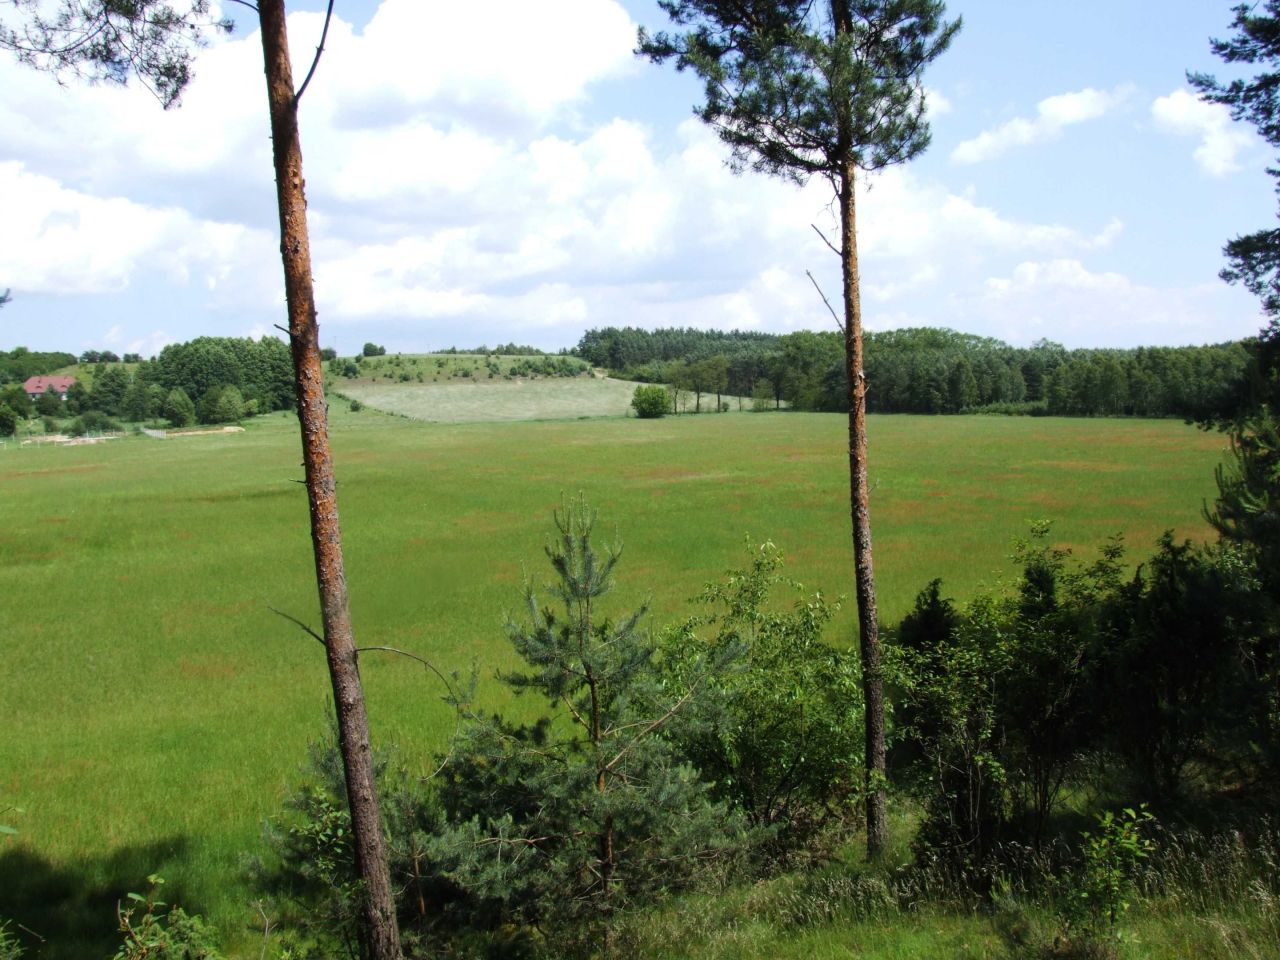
526 177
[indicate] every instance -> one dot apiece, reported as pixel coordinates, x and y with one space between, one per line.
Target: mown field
473 401
157 710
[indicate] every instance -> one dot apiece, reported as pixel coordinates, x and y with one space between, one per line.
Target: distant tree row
405 369
927 370
261 371
20 363
108 356
207 380
501 350
625 348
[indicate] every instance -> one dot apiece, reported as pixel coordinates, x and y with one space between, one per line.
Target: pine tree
565 819
1254 259
798 89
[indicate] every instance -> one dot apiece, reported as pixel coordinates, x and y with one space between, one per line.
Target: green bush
997 700
154 930
8 422
92 421
178 408
1096 895
561 822
651 402
229 407
779 731
49 404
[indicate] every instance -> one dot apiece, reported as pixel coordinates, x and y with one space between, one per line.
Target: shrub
356 406
8 422
779 732
178 408
1097 894
564 820
162 934
230 406
998 700
651 402
92 421
49 403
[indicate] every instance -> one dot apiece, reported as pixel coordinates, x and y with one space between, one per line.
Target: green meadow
157 709
477 400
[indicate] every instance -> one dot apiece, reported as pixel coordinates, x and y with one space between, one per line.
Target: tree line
926 370
20 364
206 380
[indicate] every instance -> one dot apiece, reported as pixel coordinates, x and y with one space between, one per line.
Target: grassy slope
466 401
156 710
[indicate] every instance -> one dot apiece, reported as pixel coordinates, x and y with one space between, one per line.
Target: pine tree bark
864 572
382 934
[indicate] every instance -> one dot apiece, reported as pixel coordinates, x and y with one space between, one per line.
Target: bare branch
824 239
328 15
839 324
454 698
297 622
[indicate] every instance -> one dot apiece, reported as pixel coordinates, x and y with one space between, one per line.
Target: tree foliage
1253 259
588 807
178 408
927 370
650 402
795 89
778 732
19 364
113 40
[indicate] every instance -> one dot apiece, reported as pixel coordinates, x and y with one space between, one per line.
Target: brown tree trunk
382 932
864 573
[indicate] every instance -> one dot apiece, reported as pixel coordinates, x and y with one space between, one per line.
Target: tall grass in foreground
1210 896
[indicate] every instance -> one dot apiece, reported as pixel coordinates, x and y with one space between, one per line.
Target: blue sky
529 178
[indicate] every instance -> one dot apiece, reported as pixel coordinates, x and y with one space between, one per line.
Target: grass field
156 710
471 400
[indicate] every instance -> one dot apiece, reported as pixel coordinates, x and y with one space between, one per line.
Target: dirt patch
207 669
202 433
82 468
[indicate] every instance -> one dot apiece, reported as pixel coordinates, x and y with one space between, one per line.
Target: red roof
45 384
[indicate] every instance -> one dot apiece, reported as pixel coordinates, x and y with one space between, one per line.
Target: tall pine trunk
864 573
382 934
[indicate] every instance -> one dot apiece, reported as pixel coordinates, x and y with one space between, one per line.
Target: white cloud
936 103
1053 114
458 193
62 241
535 59
1221 139
1064 300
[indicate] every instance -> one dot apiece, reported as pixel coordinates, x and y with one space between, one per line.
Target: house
36 387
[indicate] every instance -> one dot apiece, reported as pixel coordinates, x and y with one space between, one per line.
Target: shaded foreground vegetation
178 686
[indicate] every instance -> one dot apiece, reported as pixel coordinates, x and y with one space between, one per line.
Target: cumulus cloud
59 240
461 191
1053 115
1221 140
1064 300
